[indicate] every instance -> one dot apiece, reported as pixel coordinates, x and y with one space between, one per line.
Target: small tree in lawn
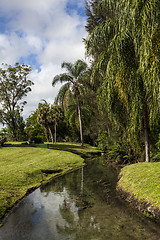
14 85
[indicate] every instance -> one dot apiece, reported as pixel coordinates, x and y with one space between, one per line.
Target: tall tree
75 73
48 115
14 85
33 130
127 59
56 115
44 119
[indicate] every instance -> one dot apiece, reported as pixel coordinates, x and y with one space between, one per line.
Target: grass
22 168
75 148
143 181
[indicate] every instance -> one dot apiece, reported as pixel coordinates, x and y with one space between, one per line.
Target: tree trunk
55 132
13 128
146 139
50 132
147 151
82 182
80 122
46 134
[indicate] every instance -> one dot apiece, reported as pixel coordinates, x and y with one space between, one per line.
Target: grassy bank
142 181
25 167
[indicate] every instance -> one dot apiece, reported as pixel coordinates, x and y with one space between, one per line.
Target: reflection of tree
70 224
81 221
70 181
88 210
75 222
55 186
82 180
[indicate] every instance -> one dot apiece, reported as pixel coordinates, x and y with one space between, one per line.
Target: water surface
82 205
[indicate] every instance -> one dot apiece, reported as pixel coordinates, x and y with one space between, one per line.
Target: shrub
2 138
102 141
36 139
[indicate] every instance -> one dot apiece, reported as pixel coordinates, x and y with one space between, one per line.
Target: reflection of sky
38 217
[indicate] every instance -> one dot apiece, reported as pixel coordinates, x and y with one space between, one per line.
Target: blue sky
43 34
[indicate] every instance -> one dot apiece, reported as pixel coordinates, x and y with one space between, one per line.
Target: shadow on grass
65 147
57 146
69 147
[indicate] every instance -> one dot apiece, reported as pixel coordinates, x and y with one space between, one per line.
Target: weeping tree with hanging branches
72 80
124 40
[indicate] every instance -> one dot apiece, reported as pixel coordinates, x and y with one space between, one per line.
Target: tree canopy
123 38
73 77
14 85
115 101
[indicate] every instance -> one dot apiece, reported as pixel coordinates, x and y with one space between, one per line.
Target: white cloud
47 30
11 48
42 88
31 4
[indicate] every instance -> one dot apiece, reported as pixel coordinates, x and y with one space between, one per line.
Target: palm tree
56 114
44 118
72 79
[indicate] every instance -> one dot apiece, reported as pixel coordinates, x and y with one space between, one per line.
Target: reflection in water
82 180
78 206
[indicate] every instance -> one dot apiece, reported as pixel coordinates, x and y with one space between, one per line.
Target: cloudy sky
43 34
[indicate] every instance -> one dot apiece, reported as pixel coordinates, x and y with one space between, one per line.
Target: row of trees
15 85
124 42
47 116
113 103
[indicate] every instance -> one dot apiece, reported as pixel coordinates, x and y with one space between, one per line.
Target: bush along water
115 151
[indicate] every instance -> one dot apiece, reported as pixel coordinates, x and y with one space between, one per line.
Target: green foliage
14 85
123 39
33 130
21 169
3 137
48 115
102 141
44 118
15 132
73 78
156 151
57 115
158 144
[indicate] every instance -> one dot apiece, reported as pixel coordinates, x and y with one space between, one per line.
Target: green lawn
23 167
142 180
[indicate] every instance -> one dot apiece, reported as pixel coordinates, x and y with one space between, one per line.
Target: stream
82 205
